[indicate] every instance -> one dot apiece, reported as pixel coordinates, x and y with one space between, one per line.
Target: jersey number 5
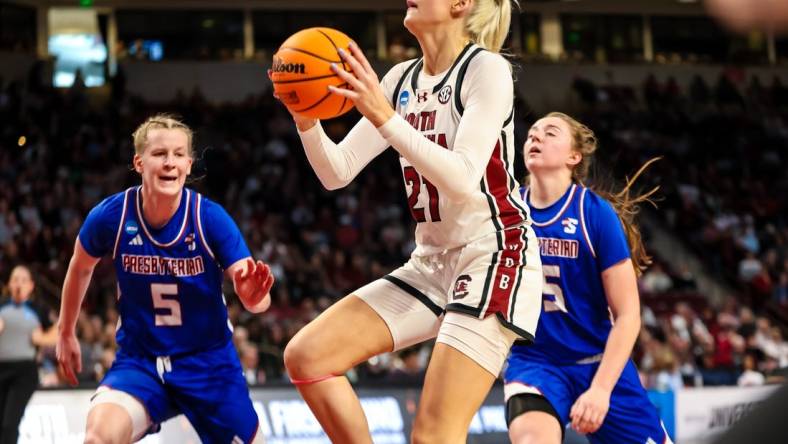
557 302
415 180
173 318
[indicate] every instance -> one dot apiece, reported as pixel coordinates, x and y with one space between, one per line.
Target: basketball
301 73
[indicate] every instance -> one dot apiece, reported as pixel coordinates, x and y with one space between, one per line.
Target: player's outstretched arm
80 271
252 281
620 284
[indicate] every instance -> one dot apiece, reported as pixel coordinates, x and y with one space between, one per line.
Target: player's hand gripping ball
301 73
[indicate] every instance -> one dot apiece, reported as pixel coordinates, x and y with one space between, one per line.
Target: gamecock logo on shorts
461 286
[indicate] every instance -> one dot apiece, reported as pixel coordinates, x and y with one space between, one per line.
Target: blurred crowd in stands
722 182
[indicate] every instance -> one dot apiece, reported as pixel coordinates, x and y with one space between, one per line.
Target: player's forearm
337 164
454 173
74 288
324 157
618 350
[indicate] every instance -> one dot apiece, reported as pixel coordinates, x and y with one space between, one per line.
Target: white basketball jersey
434 105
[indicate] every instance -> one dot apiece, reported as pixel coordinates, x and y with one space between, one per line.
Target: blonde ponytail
488 23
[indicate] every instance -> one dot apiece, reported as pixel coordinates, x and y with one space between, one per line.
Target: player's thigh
379 317
348 332
138 378
116 416
223 420
454 388
631 417
410 301
466 360
532 419
221 409
210 390
525 378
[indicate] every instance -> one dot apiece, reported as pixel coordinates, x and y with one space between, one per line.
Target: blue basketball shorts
631 417
207 387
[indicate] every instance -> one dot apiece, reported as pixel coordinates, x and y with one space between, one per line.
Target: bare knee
429 437
298 357
95 437
533 437
100 434
107 424
535 428
419 435
307 357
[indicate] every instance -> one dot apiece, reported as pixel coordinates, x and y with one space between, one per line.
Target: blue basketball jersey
169 279
579 237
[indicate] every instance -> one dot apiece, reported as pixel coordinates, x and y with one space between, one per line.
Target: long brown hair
625 203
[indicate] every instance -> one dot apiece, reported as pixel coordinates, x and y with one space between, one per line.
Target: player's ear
574 158
189 169
461 6
137 162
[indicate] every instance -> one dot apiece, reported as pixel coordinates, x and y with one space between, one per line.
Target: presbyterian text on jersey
551 246
160 266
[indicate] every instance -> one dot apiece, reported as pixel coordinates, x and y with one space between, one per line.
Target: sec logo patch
444 95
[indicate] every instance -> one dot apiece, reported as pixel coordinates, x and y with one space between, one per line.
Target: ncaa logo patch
404 98
444 95
131 227
461 286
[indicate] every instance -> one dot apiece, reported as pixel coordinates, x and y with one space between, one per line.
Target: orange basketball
301 73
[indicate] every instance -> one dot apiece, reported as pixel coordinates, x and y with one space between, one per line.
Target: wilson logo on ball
297 68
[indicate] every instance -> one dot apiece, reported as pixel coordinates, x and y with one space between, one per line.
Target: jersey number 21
415 180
